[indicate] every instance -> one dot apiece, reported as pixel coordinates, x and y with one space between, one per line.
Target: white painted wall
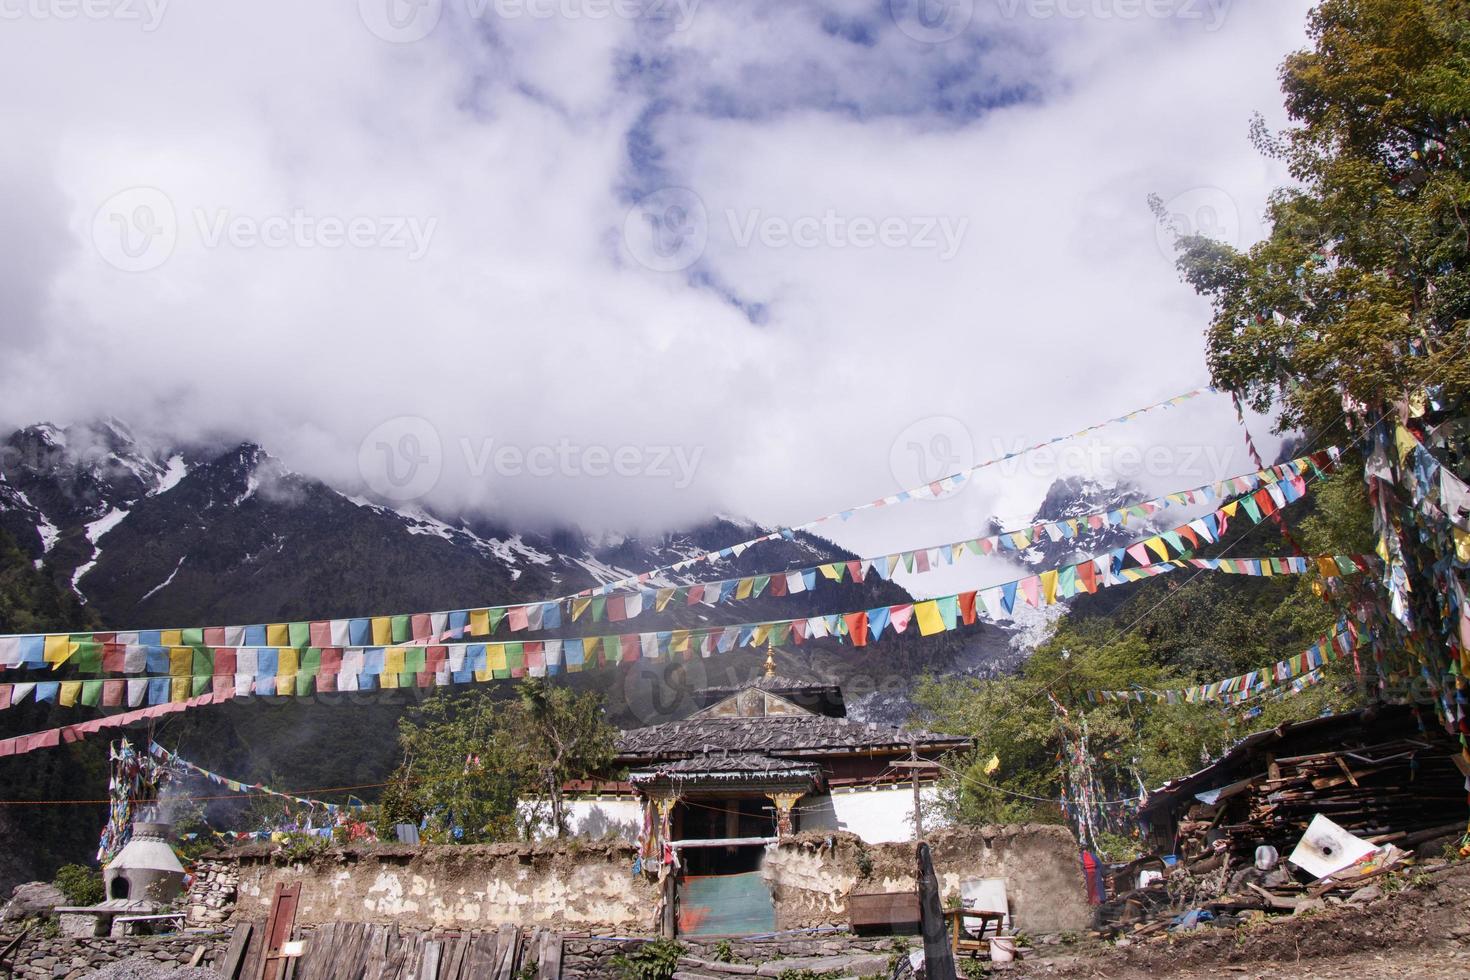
591 817
879 816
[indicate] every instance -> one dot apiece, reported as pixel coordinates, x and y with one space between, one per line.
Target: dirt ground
1419 928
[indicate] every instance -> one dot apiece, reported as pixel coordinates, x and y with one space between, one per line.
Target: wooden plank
453 958
379 948
429 962
278 928
508 949
550 966
235 952
481 961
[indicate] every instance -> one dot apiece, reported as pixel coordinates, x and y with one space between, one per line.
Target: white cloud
518 143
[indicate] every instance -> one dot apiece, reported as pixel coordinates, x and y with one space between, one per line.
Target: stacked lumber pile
1401 791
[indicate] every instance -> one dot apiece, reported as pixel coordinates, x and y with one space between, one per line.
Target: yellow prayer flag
69 692
171 638
58 648
1156 545
679 642
993 766
1462 544
286 684
495 657
393 660
1049 587
928 618
288 662
832 571
662 598
1230 509
180 661
277 635
479 623
388 680
179 689
744 587
483 675
382 632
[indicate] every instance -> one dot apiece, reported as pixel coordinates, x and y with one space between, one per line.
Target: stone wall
40 958
590 888
564 885
811 875
588 957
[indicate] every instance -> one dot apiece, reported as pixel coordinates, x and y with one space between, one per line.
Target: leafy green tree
1362 286
470 759
565 736
456 774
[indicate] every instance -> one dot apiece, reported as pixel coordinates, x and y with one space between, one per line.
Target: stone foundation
64 959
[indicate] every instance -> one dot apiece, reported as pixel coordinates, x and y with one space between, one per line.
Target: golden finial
771 658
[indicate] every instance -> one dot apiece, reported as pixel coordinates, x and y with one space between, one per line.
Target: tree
565 736
470 760
458 777
1362 288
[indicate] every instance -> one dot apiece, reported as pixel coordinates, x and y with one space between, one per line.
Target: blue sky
823 248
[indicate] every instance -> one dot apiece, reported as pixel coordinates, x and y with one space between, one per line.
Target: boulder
33 898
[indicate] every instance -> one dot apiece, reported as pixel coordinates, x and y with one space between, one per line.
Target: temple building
755 762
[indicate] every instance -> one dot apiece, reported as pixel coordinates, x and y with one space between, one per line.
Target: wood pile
1401 791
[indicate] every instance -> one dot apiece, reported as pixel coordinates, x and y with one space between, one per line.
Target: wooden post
938 956
918 817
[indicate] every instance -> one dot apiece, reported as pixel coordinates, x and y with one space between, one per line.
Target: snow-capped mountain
1078 496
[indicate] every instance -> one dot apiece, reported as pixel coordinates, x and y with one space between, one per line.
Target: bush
80 884
656 960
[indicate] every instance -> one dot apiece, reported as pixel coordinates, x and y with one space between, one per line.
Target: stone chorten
146 869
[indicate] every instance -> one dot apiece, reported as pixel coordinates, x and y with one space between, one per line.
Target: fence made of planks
361 951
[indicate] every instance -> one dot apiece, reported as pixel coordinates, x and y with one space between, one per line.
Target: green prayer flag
402 629
413 660
91 693
192 637
299 634
88 657
515 656
203 663
311 660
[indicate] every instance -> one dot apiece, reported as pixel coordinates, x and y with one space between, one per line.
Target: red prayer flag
857 628
967 608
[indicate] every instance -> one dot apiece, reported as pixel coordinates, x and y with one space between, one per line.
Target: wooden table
961 941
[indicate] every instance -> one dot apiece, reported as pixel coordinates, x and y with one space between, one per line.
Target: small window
119 887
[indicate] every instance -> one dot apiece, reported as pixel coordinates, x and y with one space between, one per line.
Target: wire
150 800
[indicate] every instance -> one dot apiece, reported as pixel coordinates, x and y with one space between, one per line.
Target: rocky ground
1418 927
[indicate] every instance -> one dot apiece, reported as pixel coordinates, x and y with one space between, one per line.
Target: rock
1368 894
1307 905
33 898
